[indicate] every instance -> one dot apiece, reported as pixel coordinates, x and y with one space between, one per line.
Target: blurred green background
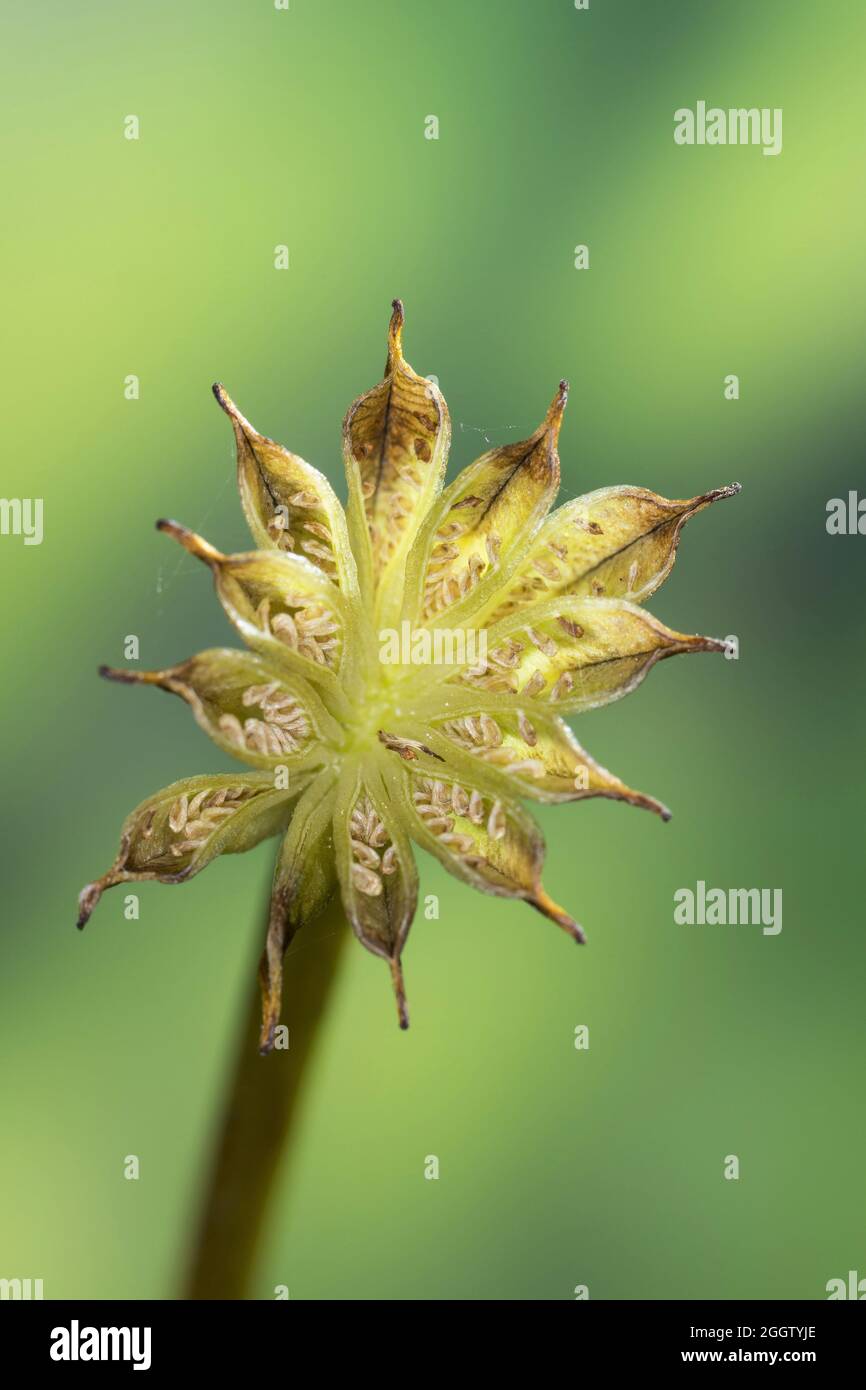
306 128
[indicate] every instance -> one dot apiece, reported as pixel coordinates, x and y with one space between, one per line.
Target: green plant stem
260 1116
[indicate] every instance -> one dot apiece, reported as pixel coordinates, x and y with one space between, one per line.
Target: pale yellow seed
365 854
476 808
529 767
527 731
461 843
366 881
543 643
562 686
491 731
496 825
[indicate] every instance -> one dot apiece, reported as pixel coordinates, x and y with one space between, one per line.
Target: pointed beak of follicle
239 421
556 410
399 993
395 336
196 545
130 677
543 903
223 399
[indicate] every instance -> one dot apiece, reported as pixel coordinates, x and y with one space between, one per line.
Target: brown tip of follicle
395 332
195 545
267 1035
553 418
543 903
175 530
225 403
112 673
399 994
87 900
718 494
649 803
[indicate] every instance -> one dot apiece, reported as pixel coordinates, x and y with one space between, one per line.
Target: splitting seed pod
356 756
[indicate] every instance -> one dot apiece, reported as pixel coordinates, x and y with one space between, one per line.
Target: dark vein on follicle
268 489
645 535
385 423
507 481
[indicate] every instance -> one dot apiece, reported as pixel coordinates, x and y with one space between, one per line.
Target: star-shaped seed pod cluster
359 745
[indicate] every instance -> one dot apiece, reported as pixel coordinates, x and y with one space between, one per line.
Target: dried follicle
355 757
